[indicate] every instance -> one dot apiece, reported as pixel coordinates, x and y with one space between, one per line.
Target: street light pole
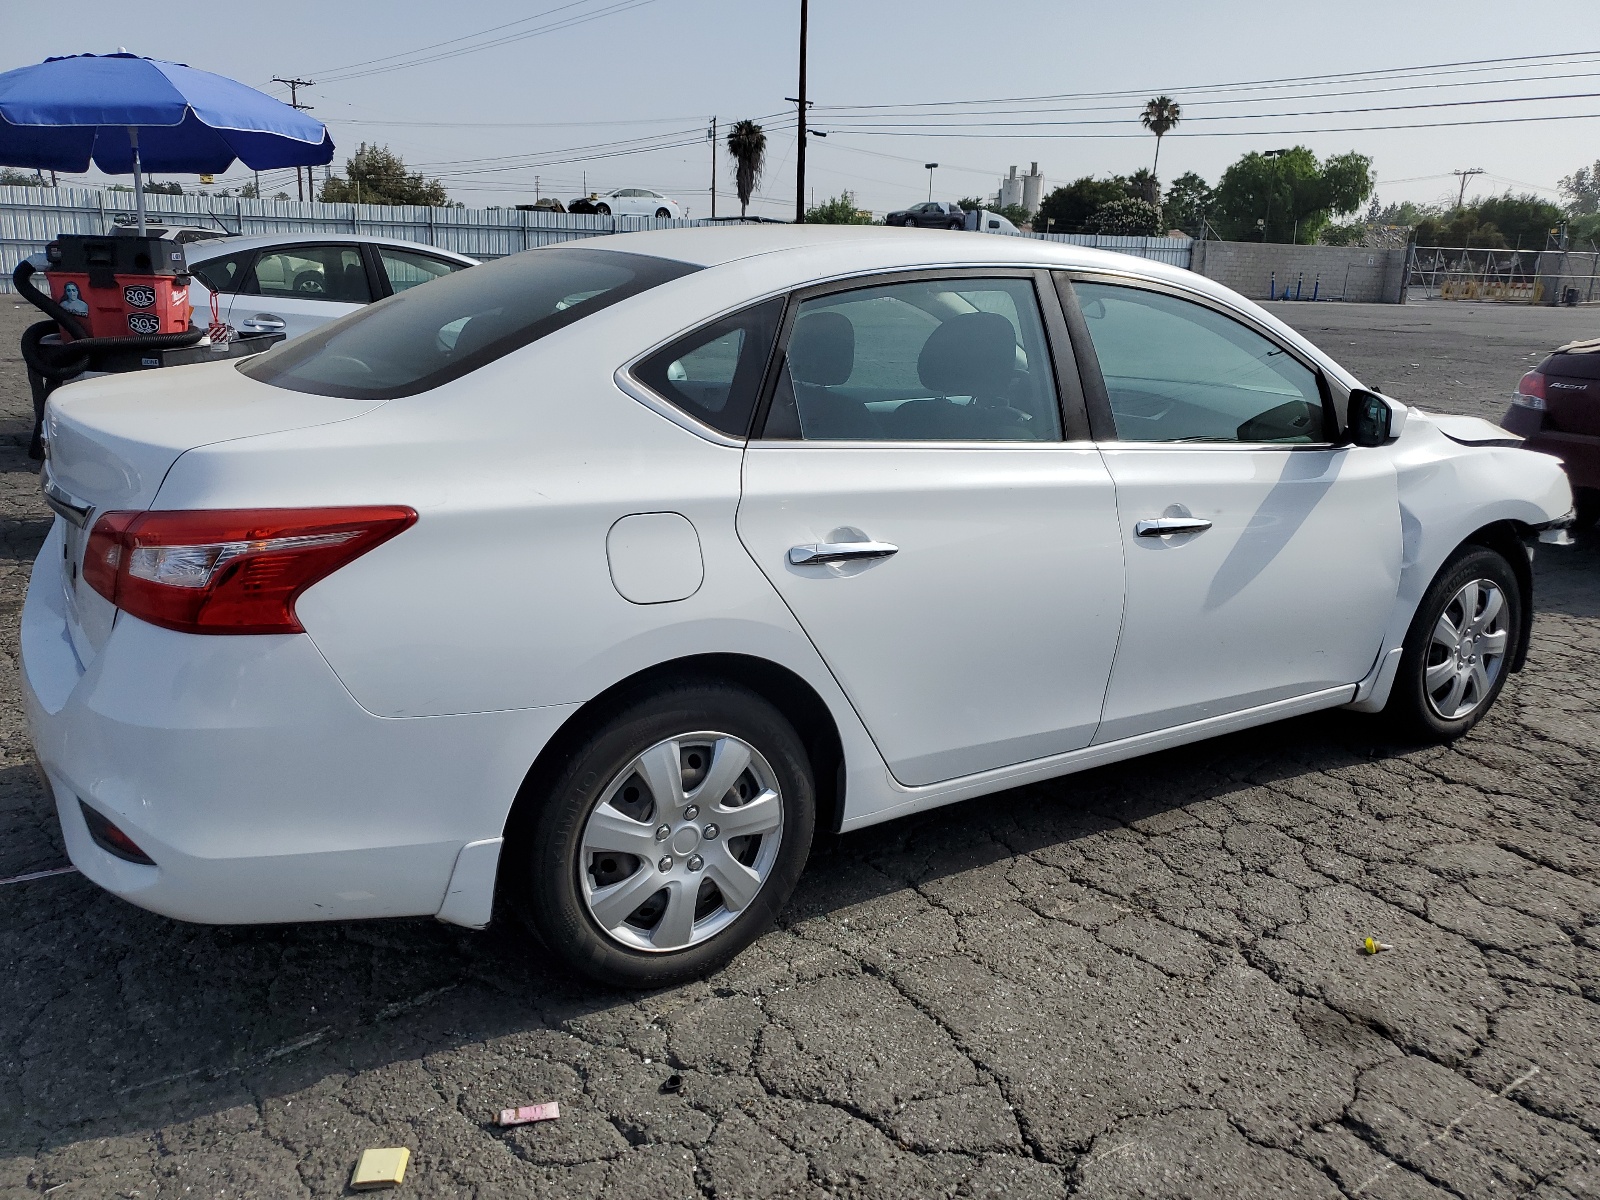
930 167
800 150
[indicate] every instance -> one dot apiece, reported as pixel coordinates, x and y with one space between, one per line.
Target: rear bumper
1579 452
242 766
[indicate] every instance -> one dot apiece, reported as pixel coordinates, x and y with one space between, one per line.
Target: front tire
663 214
669 840
1458 651
603 210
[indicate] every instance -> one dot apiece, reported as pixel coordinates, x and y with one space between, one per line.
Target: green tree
1524 220
1068 209
1126 217
1159 116
747 145
1292 194
841 210
1186 203
1582 190
1353 233
9 177
1143 185
377 175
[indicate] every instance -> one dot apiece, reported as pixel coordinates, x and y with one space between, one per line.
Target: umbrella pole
138 178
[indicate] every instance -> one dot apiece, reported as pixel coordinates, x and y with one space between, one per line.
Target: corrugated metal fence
30 217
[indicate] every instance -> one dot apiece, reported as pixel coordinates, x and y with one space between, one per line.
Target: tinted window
406 270
1176 371
714 374
333 273
430 335
223 274
938 360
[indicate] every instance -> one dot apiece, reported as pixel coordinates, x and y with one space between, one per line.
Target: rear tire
1466 633
639 889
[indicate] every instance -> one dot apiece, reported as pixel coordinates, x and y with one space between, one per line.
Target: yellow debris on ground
380 1168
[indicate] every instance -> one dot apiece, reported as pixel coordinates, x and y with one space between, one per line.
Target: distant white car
604 574
637 202
291 284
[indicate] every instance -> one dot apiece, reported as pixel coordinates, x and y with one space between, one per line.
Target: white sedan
291 284
600 577
636 202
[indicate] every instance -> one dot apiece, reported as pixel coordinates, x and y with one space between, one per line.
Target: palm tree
748 146
1160 115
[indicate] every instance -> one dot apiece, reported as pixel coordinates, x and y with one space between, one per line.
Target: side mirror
1371 420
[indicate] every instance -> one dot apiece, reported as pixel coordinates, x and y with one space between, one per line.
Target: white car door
1262 560
955 561
294 289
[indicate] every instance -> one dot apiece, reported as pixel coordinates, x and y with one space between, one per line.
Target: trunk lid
1572 393
111 441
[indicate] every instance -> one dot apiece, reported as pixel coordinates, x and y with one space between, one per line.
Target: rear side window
427 336
714 374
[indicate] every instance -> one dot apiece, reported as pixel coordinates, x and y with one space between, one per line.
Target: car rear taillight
1530 391
228 570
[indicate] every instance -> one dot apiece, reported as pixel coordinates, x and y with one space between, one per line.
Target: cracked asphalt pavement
1143 981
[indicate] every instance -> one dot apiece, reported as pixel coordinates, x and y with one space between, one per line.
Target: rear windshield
429 335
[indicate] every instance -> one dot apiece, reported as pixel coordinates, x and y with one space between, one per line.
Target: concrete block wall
1353 273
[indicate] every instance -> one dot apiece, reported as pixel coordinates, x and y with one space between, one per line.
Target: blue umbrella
127 113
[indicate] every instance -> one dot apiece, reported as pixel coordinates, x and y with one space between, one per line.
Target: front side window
932 360
428 336
334 273
225 274
406 269
714 374
1176 371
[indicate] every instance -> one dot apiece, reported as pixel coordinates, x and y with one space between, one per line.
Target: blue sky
550 110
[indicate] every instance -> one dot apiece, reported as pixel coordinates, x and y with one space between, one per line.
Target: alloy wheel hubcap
681 841
1467 650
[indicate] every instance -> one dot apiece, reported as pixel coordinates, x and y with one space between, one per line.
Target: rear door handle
264 323
815 553
1162 526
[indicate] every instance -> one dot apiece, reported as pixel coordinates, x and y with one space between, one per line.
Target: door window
934 360
406 270
334 273
224 274
714 374
1176 371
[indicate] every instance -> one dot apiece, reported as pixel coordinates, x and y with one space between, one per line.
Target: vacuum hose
70 358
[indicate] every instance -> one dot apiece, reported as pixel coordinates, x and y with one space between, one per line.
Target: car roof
198 252
826 251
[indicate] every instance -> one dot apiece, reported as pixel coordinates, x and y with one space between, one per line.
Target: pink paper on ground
530 1113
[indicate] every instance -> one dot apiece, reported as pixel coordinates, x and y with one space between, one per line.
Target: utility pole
294 102
800 155
1461 196
931 167
712 134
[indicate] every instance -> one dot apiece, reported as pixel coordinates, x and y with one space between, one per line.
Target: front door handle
264 323
816 553
1162 526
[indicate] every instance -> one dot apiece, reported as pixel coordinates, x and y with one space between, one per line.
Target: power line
1280 82
620 6
1264 133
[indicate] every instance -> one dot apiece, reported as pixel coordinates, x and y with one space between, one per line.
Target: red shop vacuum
115 303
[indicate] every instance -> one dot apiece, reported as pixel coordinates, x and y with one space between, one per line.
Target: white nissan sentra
599 578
